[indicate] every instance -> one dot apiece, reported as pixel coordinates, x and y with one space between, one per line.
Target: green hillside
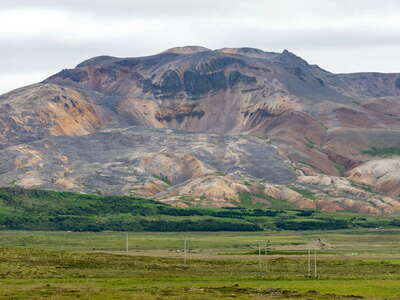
48 210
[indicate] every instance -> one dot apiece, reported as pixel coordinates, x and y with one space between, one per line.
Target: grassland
351 264
82 255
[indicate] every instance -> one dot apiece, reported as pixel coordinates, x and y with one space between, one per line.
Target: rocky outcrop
337 193
39 111
382 174
118 160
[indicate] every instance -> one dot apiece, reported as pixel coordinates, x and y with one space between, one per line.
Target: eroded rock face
105 126
225 191
117 160
42 110
333 193
383 174
174 168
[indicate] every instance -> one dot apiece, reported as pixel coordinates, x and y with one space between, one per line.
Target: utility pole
127 243
315 264
259 257
184 250
266 249
309 263
266 256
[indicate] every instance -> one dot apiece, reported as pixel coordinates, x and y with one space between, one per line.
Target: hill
198 127
48 210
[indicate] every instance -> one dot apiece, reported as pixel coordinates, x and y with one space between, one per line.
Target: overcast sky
41 37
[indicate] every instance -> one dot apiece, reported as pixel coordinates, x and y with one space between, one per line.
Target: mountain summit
194 126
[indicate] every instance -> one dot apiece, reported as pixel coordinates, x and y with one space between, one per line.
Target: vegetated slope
104 126
48 210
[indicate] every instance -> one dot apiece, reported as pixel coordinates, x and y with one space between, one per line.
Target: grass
307 164
309 143
221 265
340 169
163 179
46 210
305 193
355 102
220 174
279 203
217 288
366 187
249 200
382 152
362 241
246 200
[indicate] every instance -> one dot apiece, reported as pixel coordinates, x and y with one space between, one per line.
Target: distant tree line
48 210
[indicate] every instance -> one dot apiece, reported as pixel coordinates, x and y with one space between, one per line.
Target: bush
312 224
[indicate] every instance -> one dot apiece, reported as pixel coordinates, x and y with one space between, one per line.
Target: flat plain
351 264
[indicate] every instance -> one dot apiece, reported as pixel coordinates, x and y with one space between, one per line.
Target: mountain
198 127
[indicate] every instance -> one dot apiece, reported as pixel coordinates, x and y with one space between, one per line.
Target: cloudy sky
41 37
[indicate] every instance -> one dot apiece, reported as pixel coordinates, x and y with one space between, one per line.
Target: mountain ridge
320 124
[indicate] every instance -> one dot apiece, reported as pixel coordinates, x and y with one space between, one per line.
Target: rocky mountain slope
194 126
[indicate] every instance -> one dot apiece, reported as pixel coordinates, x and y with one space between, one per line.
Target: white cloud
343 36
8 80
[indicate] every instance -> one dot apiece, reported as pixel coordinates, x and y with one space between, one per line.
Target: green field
222 265
77 247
